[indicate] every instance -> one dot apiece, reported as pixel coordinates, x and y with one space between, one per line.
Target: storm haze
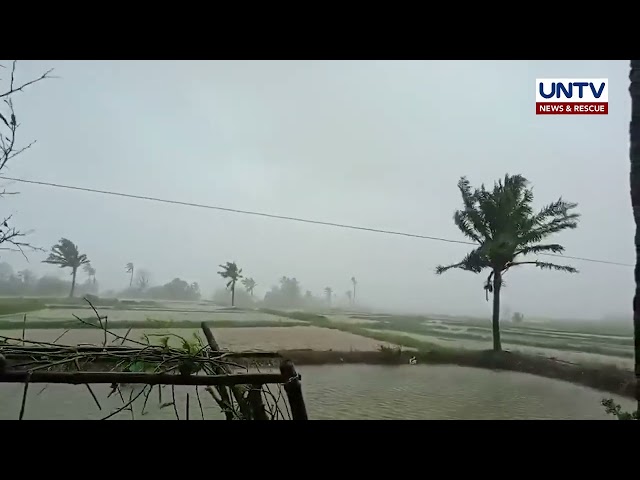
378 144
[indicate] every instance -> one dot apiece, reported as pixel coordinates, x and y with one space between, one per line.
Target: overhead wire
283 217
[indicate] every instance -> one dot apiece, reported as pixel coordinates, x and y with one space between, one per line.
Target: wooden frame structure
241 396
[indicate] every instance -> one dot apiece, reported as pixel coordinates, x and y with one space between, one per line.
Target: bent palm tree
249 284
129 269
231 271
634 177
354 282
504 225
65 254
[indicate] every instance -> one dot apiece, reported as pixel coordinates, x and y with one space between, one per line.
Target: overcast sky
373 143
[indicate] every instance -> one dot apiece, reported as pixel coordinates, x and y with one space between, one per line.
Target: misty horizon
377 144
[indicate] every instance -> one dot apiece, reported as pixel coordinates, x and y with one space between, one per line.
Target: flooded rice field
566 355
351 392
255 338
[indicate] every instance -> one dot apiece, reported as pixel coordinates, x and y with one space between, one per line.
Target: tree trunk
233 294
73 282
634 157
131 279
495 323
354 293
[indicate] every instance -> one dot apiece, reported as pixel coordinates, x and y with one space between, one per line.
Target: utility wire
283 217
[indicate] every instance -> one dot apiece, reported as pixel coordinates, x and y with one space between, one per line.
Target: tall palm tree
129 269
231 271
65 254
504 225
634 157
354 282
249 284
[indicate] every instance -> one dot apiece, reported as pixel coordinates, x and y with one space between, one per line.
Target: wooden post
236 390
293 388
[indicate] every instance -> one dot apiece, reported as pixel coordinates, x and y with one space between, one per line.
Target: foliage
517 317
232 273
65 254
615 409
176 289
503 224
249 284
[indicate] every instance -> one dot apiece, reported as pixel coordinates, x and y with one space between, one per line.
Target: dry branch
195 364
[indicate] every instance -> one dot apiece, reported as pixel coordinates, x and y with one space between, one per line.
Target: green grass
11 306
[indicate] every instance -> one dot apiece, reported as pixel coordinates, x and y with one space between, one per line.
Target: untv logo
572 96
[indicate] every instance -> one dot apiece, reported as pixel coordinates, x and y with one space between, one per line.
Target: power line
283 217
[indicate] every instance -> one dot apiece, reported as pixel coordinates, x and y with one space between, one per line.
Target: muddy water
352 392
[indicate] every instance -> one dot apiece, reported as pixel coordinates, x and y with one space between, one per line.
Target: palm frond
475 262
534 249
553 266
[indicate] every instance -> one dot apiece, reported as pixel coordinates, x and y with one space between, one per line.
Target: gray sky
372 143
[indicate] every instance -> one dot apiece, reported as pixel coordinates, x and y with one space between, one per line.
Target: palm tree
504 225
89 270
354 282
249 284
349 296
26 276
65 254
142 279
129 269
231 271
328 293
634 157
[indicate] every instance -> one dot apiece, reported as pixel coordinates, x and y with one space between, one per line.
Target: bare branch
8 150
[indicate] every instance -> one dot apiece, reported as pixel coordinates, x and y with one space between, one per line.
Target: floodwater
350 392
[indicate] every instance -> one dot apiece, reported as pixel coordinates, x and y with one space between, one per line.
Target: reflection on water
351 392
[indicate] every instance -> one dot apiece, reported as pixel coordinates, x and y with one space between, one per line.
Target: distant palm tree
504 225
142 279
634 157
129 269
249 284
65 254
328 292
354 282
349 296
231 271
26 276
89 270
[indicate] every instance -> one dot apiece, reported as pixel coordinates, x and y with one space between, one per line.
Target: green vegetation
612 408
249 285
232 273
502 222
65 254
9 306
